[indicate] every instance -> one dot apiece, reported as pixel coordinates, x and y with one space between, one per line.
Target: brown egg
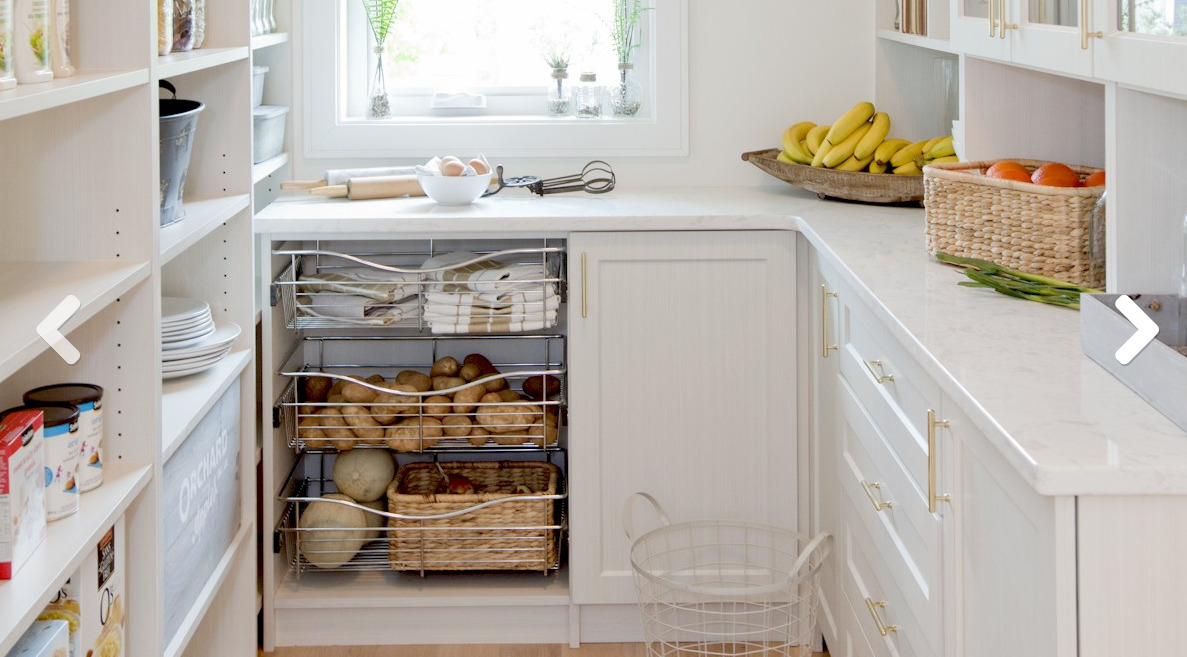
479 166
452 168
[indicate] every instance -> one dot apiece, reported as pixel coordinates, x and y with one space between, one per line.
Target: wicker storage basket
510 535
1033 228
830 183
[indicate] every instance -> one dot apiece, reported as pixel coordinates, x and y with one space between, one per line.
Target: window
493 49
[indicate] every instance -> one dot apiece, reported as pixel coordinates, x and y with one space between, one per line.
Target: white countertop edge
1055 471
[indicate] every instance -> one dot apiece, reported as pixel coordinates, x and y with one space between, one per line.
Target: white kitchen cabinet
1039 33
81 218
682 385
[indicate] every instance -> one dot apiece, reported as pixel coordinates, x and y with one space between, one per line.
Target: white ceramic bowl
454 190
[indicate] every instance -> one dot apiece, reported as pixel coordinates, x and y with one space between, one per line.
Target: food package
65 608
43 639
22 489
96 591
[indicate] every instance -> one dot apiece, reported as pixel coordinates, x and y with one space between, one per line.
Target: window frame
327 133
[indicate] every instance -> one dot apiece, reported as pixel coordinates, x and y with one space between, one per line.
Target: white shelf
180 63
941 45
67 543
29 98
185 401
178 642
268 167
30 290
201 217
267 40
331 590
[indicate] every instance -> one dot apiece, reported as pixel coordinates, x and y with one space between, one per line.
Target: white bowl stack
190 340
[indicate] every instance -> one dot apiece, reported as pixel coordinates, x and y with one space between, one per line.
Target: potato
447 382
309 432
315 389
336 428
335 399
361 423
419 380
336 388
508 395
389 406
414 434
507 418
437 406
469 372
510 439
539 386
544 435
447 366
358 394
456 425
376 379
465 399
484 365
478 436
493 384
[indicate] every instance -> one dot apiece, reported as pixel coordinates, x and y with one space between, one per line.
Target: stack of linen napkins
359 295
473 295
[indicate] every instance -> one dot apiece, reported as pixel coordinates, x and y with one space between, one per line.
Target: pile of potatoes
414 410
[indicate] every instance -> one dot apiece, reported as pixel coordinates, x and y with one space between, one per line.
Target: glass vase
379 103
560 98
626 96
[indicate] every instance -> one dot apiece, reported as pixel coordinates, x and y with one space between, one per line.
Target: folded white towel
486 276
493 324
374 284
530 299
354 309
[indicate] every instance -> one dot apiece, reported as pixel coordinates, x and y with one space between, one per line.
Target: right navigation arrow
1146 329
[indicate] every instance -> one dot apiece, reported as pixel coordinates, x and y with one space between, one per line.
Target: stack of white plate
190 340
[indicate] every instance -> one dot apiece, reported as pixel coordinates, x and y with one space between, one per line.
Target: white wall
755 67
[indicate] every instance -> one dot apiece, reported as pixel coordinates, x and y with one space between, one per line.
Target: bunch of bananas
859 141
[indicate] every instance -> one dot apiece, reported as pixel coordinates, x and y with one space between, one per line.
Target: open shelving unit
82 218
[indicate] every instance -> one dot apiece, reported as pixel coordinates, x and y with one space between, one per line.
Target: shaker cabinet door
682 385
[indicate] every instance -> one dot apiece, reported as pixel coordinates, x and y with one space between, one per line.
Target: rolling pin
335 177
357 189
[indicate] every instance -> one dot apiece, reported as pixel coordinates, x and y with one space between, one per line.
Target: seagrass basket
492 528
1033 228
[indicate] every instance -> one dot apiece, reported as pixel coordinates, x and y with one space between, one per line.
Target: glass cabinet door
1144 45
974 29
1064 13
1048 34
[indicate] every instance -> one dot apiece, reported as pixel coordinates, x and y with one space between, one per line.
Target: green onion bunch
1014 283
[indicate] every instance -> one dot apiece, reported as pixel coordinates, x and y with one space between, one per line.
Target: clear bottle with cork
588 96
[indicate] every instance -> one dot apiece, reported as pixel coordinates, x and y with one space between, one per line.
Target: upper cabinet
1142 44
1055 35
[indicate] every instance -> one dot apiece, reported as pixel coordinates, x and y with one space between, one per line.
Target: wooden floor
508 650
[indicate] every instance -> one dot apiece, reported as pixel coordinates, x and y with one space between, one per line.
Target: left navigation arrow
50 328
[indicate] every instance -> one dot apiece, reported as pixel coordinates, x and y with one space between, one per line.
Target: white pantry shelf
371 589
268 40
180 63
201 217
268 167
176 644
83 85
66 544
930 43
30 290
185 401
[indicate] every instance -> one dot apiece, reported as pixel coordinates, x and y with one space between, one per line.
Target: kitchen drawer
898 405
866 579
902 531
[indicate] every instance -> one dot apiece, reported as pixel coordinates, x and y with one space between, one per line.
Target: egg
479 166
452 168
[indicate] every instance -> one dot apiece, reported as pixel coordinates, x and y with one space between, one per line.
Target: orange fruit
1095 179
1055 174
1008 170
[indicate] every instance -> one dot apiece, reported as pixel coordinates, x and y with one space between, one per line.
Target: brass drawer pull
1084 33
992 20
1001 6
824 296
880 375
870 487
932 423
883 628
584 289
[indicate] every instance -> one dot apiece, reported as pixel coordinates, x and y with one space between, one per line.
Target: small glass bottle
7 79
183 25
560 99
626 96
588 97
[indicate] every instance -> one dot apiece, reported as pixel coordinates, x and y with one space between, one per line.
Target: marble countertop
1016 367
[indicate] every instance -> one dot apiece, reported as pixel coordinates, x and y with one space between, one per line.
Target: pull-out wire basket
510 290
462 418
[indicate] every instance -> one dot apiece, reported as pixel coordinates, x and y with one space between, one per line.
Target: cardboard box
43 639
102 601
22 489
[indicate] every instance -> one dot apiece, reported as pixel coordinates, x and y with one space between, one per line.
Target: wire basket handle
628 518
806 553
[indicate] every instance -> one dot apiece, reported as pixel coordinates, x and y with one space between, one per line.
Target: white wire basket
722 587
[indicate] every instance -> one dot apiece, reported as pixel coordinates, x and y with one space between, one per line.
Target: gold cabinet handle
870 487
880 375
874 606
1084 33
992 20
584 296
825 347
1001 10
932 424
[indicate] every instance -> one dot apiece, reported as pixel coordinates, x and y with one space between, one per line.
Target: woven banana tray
848 185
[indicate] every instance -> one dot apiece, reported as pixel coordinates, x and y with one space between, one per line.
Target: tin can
88 398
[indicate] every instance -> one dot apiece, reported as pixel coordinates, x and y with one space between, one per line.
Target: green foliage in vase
624 30
380 14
